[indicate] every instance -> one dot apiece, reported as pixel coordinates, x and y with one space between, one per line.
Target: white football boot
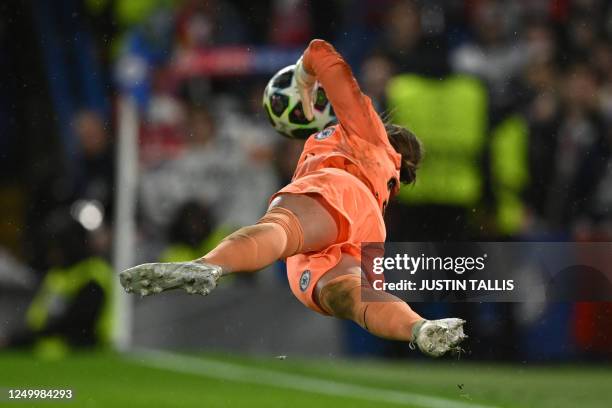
437 337
150 278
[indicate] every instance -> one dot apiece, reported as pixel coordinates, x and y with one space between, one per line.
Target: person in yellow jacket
72 306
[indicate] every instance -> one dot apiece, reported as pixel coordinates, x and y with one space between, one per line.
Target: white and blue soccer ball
283 106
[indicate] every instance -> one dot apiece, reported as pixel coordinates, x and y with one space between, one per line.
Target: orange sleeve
353 109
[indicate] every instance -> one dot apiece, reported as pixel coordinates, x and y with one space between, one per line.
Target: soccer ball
283 106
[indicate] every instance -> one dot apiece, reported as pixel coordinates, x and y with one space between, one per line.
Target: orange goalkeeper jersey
359 143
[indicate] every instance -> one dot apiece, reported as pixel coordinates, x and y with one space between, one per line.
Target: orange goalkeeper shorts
359 219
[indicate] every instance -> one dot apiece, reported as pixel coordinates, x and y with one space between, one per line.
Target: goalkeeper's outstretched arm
354 110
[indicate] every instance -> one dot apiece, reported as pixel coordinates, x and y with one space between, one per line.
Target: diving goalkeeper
343 181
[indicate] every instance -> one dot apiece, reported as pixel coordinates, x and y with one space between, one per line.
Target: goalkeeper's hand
305 83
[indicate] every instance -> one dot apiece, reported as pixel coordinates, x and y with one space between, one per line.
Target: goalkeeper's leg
343 293
292 225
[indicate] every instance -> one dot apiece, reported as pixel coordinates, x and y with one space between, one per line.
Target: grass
111 380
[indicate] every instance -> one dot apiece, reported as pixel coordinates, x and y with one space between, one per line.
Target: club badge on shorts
325 133
304 280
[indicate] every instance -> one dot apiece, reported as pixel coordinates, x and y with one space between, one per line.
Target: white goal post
124 238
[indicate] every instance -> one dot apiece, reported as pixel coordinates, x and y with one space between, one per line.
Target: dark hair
406 144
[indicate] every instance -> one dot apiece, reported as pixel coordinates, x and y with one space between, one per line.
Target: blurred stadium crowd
513 101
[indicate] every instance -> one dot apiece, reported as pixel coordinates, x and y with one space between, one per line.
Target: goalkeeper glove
305 83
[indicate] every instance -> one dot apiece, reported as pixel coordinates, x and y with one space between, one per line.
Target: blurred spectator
290 24
95 178
601 61
582 29
201 24
493 55
406 44
162 133
192 233
376 71
193 223
570 149
245 123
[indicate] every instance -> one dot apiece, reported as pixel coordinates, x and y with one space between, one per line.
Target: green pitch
163 379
